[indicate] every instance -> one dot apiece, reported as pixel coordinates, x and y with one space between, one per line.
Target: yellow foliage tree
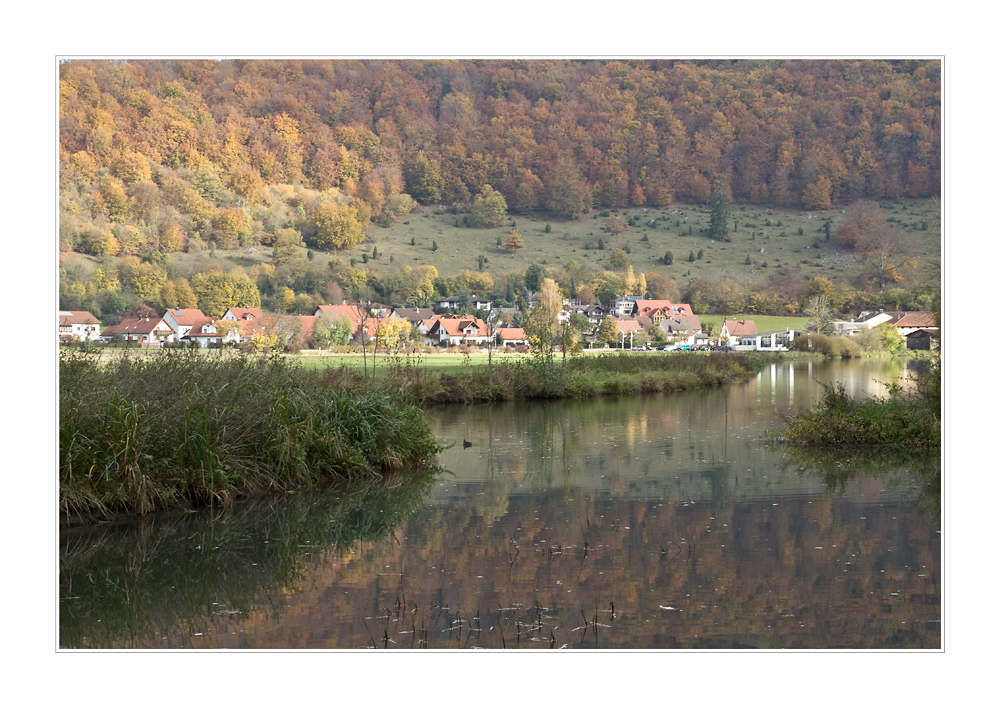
391 332
337 227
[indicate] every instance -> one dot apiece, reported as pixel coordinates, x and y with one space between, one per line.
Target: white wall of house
203 341
82 331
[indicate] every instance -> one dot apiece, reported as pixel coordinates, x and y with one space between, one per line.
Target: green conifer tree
718 224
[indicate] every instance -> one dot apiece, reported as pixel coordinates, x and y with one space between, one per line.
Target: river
653 522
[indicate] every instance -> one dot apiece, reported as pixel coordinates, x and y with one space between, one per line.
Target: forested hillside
160 157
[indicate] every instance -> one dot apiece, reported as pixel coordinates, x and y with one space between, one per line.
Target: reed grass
621 374
141 434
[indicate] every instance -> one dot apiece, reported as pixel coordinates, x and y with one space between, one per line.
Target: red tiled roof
352 312
72 317
241 313
456 326
741 328
507 333
140 325
916 319
628 325
307 322
186 317
648 307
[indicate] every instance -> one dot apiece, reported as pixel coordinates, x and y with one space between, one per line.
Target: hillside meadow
769 238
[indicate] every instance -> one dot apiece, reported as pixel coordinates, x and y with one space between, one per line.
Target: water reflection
654 522
156 583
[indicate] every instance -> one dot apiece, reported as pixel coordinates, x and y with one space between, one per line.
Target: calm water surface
653 522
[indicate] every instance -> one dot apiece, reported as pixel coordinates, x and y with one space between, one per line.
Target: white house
777 341
511 336
451 303
203 334
913 321
623 306
738 333
455 330
181 321
77 325
146 331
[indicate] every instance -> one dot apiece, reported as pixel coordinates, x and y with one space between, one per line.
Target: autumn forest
159 159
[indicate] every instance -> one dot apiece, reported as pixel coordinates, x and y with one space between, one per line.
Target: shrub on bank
837 347
899 420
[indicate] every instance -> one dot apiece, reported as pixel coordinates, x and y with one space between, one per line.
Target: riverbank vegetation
542 377
140 434
901 419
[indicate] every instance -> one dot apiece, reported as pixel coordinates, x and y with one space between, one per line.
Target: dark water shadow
119 582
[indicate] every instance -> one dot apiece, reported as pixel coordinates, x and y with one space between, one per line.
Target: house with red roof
182 320
452 331
912 321
738 332
203 334
145 331
658 309
247 314
77 325
511 336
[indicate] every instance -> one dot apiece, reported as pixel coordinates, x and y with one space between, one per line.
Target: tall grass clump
139 434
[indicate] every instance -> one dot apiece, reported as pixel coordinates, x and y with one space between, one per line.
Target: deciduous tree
884 254
424 181
337 227
817 194
607 331
217 292
489 209
859 219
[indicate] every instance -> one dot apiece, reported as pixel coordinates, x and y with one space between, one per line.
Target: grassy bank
527 378
140 434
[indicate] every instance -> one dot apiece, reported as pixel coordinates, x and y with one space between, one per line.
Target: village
637 322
